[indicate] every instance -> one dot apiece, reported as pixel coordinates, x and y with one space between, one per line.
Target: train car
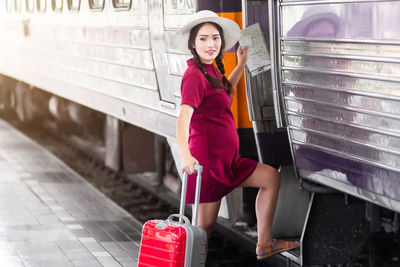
325 114
335 77
112 56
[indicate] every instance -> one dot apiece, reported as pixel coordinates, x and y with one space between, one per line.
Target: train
325 113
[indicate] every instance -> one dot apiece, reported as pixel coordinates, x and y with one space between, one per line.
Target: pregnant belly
223 140
217 135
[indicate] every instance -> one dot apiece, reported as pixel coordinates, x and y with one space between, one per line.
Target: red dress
213 138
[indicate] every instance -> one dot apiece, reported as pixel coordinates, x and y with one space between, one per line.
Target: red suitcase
169 243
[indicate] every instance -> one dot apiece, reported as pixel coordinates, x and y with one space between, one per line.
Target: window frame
69 5
27 6
122 7
98 9
17 6
53 6
13 6
9 6
38 7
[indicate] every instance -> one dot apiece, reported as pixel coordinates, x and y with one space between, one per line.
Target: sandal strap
270 245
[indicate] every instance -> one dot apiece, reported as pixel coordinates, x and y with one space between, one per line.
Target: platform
50 216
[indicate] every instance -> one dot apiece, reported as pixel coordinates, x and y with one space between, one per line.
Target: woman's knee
207 226
277 178
208 213
274 178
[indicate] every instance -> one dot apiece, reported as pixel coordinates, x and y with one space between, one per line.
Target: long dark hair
216 83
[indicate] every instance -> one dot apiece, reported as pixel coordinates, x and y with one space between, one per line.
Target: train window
13 6
41 5
29 5
57 5
9 6
96 4
74 5
17 6
122 4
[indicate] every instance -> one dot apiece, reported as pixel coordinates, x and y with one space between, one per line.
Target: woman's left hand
242 55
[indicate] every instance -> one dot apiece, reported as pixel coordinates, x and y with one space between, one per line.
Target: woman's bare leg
208 213
268 180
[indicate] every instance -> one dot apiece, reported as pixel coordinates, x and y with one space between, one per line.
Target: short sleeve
192 90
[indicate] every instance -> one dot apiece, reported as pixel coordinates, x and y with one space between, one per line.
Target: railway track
143 202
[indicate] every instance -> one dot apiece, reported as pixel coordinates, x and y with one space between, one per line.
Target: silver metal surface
341 87
374 20
343 100
368 149
346 155
344 107
175 15
370 154
365 52
343 82
259 93
274 75
344 123
369 94
244 12
113 143
177 64
198 169
290 211
346 130
256 130
378 77
375 67
305 227
360 41
350 189
159 50
342 115
249 97
149 118
277 42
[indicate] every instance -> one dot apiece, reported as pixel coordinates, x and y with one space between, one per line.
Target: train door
165 17
272 141
159 49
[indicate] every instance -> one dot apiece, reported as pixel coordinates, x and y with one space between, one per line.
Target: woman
206 130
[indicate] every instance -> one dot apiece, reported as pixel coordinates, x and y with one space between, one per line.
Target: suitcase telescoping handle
198 169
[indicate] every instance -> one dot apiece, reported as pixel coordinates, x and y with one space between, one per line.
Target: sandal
288 246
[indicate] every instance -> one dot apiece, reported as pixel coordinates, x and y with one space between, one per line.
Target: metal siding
340 78
96 55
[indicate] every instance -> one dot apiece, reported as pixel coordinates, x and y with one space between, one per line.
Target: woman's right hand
187 163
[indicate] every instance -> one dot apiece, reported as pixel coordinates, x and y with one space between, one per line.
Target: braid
198 62
227 85
213 81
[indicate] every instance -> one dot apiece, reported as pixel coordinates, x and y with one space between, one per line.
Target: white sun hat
229 27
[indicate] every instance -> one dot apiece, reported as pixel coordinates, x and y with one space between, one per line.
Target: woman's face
207 43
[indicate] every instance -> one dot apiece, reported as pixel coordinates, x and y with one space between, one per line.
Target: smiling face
207 43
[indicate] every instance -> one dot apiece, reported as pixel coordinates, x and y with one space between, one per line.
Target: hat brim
230 29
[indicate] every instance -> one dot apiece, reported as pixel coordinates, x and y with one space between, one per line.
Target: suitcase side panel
196 246
162 244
